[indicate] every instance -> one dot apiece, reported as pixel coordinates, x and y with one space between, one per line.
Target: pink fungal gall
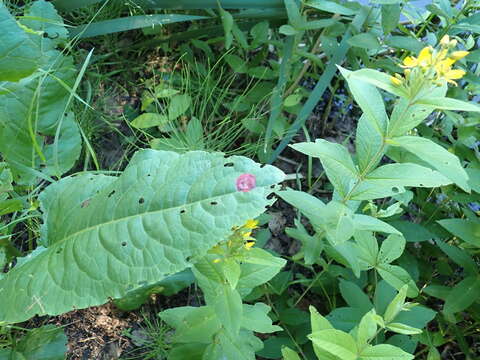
246 182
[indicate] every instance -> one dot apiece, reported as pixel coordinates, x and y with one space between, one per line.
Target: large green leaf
398 277
19 55
436 156
405 116
34 110
467 230
445 103
459 256
228 307
104 240
464 294
335 342
384 352
379 79
390 179
372 126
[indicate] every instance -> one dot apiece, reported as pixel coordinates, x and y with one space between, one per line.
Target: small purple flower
246 182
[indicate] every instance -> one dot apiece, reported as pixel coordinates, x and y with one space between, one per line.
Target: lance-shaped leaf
464 294
372 126
436 156
384 352
335 342
445 103
405 116
467 230
390 179
335 159
152 221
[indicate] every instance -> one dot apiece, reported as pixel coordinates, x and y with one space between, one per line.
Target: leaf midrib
137 215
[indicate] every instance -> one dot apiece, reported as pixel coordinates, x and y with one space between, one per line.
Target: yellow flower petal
457 55
247 234
251 224
410 61
441 55
249 245
395 81
454 74
216 261
425 56
444 66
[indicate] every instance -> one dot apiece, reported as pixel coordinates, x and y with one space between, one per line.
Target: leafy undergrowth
235 180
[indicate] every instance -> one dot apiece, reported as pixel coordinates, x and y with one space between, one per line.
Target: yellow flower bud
454 74
395 81
216 261
445 40
457 55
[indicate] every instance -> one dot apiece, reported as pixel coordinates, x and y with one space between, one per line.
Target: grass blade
320 87
210 4
277 94
314 97
130 23
66 5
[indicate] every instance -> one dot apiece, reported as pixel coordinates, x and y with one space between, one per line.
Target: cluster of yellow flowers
434 64
241 238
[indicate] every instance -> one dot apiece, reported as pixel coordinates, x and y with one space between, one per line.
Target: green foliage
330 343
37 130
22 55
386 198
224 326
46 342
154 220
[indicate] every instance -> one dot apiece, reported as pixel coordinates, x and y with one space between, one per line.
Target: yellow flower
432 64
457 55
216 261
444 66
396 80
453 75
249 245
251 224
425 57
410 61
